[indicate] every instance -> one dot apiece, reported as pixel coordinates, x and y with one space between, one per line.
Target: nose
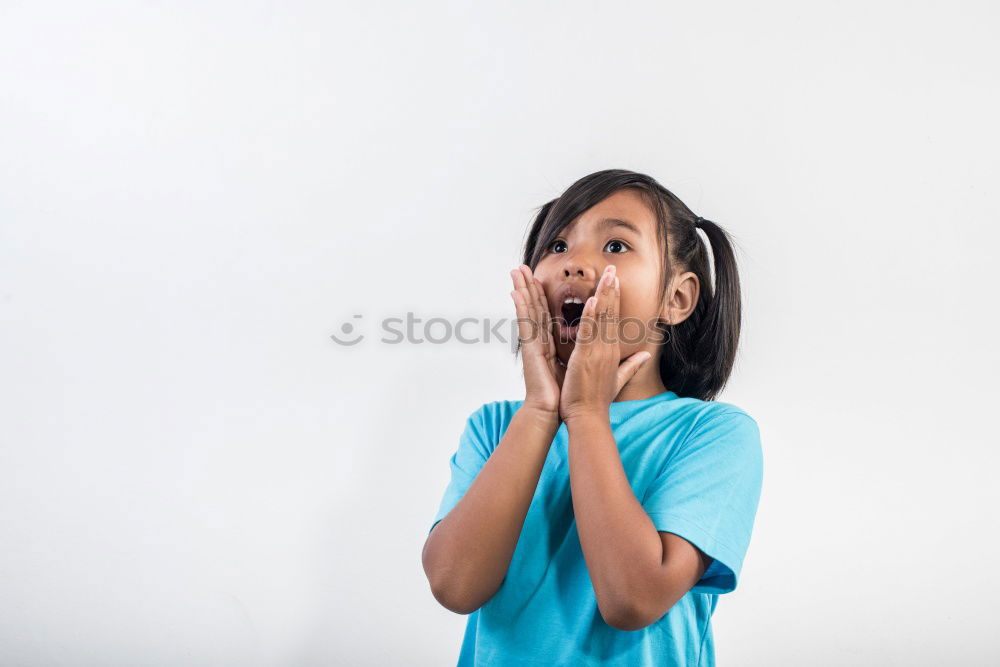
575 266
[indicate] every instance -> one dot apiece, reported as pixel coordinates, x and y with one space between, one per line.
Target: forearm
620 543
467 554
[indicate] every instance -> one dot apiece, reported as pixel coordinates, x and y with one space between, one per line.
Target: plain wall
195 196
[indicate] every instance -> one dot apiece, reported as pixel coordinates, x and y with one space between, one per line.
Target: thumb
628 368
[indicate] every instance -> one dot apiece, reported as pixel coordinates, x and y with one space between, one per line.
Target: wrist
588 418
540 416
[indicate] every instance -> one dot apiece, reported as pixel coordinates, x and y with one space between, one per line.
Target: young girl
597 521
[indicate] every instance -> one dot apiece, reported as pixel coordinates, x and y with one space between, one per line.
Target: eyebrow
617 222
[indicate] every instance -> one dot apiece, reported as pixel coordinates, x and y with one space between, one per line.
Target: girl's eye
558 243
616 243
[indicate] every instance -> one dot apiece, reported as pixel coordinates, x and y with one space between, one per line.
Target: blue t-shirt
695 466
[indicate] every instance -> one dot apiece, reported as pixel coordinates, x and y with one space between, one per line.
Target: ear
682 297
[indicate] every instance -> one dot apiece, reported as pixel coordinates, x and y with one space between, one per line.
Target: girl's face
619 230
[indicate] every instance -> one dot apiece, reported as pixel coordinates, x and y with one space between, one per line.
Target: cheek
545 275
638 291
638 306
638 314
630 306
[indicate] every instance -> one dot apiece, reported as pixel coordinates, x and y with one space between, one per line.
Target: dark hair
699 353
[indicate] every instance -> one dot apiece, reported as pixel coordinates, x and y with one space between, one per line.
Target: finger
587 322
523 321
628 368
536 307
517 277
604 286
526 324
539 290
604 294
614 300
608 287
521 284
536 301
616 296
545 315
528 279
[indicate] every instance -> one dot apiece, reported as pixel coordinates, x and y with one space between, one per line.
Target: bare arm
467 554
638 573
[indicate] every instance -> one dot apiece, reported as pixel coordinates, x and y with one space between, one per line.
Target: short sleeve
474 448
708 494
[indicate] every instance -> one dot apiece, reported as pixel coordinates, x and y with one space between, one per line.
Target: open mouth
571 313
570 300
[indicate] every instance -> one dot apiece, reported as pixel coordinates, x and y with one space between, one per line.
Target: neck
646 383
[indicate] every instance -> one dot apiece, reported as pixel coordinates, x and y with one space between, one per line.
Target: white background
194 196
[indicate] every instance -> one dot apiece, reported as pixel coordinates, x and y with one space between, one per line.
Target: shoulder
495 409
717 411
493 417
703 414
721 429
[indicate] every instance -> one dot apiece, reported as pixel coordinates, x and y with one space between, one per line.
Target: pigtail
704 346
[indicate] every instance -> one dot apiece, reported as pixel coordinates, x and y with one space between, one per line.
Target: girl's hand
594 376
542 373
